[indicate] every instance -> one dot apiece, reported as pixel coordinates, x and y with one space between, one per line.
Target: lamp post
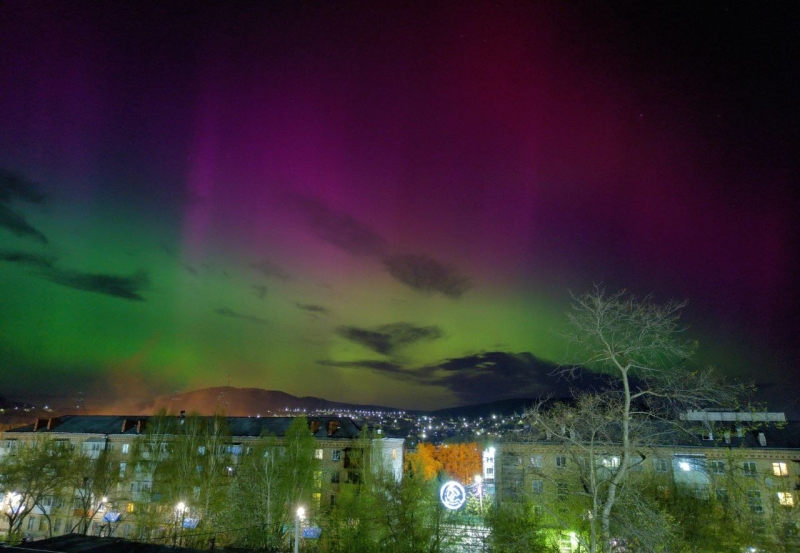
180 511
300 514
479 482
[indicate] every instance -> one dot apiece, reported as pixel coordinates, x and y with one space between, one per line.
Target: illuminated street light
180 513
479 482
300 514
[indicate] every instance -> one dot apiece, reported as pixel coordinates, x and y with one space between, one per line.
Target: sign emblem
452 495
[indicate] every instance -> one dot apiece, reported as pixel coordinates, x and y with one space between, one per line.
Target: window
786 499
700 491
122 467
562 491
333 500
234 449
317 498
317 478
201 450
394 454
126 448
780 469
718 467
749 468
661 465
490 472
335 477
536 461
754 501
336 455
561 461
610 462
317 454
538 486
721 494
129 508
538 510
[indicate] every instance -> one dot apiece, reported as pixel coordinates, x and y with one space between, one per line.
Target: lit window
780 469
786 499
610 462
336 455
718 467
536 461
317 498
538 486
318 479
317 454
561 461
126 448
749 468
129 508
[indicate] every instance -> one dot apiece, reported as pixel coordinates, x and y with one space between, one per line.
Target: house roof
323 427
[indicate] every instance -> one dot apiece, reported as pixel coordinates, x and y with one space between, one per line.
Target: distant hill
242 402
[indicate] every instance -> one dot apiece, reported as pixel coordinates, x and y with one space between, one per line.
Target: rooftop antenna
82 404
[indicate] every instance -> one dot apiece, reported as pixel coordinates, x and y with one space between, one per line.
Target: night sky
383 202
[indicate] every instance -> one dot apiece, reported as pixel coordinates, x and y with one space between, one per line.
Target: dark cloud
339 229
111 285
14 187
227 312
17 224
270 269
28 259
261 291
386 339
427 275
489 376
312 308
375 365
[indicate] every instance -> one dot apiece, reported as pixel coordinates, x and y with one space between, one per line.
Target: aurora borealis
387 203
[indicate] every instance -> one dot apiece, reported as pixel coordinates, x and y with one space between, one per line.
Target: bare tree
29 476
642 350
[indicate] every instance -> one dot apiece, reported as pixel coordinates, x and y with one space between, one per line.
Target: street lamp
300 514
479 482
180 512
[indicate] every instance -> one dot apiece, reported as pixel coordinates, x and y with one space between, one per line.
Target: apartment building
343 449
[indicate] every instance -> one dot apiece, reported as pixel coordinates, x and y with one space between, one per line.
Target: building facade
118 485
754 475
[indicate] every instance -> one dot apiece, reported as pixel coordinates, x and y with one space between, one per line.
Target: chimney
53 423
140 426
182 416
127 424
39 424
313 425
333 426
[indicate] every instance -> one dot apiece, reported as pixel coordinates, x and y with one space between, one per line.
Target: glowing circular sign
453 495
